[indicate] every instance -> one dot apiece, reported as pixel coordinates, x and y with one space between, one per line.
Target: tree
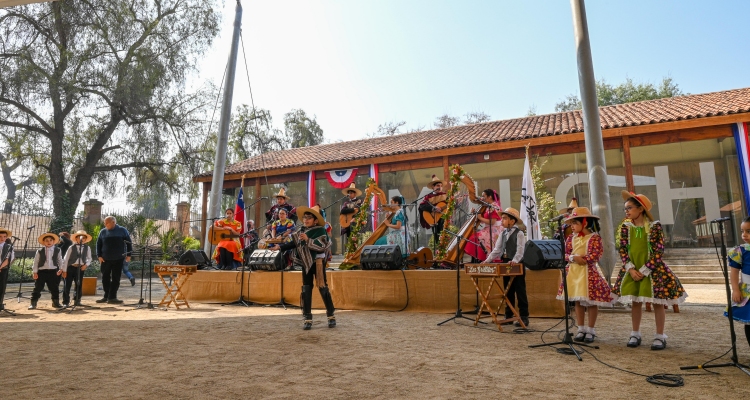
251 133
626 92
445 121
301 130
531 111
476 117
17 157
388 129
103 84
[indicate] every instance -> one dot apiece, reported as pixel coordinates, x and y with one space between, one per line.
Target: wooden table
179 274
494 271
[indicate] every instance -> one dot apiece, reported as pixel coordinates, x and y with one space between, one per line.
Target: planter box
89 286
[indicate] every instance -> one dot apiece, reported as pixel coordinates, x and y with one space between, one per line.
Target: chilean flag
239 214
341 178
742 141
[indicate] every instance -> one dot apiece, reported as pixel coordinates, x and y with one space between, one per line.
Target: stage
431 291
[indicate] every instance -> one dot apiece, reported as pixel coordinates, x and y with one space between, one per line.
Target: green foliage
544 200
93 230
451 228
626 92
168 240
301 130
251 133
191 243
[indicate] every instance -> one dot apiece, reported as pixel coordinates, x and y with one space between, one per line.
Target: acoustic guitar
216 234
346 219
422 258
432 217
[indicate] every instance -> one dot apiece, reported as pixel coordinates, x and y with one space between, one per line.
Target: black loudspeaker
194 257
381 257
543 254
266 260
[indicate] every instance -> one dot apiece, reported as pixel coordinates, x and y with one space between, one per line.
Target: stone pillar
183 215
92 211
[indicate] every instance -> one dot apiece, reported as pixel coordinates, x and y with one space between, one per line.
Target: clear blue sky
356 64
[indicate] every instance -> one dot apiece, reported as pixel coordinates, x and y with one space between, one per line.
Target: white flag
529 210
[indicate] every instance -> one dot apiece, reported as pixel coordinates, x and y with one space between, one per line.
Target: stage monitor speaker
381 257
543 254
266 260
194 257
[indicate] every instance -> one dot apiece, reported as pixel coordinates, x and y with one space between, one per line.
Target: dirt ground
214 351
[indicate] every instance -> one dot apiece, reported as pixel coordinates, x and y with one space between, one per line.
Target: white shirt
12 253
48 264
82 259
499 249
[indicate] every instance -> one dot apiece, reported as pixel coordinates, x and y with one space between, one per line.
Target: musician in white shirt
7 255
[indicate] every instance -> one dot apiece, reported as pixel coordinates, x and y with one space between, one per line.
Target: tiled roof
617 116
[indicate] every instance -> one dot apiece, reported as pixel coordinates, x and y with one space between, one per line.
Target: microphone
31 227
717 220
557 218
16 238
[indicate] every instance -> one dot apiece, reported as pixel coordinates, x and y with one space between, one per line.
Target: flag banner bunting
529 211
239 214
341 178
742 142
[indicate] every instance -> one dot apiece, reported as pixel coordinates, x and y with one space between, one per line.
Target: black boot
32 306
328 301
56 304
306 305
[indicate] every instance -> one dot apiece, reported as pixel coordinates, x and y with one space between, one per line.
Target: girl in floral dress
739 277
644 278
396 233
586 284
490 227
282 227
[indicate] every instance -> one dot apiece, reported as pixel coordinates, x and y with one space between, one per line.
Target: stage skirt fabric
739 258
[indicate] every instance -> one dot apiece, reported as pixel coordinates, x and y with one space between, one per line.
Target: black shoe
104 300
114 301
659 344
32 306
307 325
66 305
525 322
634 341
331 321
56 304
132 281
77 304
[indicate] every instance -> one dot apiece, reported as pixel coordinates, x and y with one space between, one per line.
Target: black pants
111 271
3 282
517 291
308 278
69 280
226 259
436 230
747 334
51 279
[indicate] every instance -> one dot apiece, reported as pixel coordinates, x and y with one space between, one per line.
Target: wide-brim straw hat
513 213
580 213
86 237
435 181
640 198
351 188
573 204
41 237
282 193
6 231
314 210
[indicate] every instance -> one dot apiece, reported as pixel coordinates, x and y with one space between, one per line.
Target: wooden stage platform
432 291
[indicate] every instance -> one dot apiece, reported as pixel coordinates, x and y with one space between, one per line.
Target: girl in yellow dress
586 284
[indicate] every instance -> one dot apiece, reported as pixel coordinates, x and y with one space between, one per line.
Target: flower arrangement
359 221
457 172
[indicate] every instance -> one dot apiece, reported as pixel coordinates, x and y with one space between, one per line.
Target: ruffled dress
739 258
586 283
643 248
396 236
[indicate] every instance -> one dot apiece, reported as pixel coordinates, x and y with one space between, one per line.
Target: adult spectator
64 243
113 248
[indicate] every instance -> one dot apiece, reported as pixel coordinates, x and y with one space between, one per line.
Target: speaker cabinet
381 257
194 257
543 254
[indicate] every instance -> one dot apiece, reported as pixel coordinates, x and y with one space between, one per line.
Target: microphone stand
568 338
141 301
459 313
4 283
19 296
79 280
241 300
725 269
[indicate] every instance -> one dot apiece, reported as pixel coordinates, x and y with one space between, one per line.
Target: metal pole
217 183
598 187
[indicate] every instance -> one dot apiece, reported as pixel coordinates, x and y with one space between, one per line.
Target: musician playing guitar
349 207
431 208
228 254
281 203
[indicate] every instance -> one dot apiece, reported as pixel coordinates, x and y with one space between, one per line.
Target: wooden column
446 172
258 195
204 211
629 182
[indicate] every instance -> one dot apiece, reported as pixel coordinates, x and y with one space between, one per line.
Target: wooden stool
180 274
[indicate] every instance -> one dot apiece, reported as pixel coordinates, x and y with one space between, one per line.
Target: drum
266 260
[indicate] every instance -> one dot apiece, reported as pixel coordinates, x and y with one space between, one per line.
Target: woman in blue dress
396 233
739 278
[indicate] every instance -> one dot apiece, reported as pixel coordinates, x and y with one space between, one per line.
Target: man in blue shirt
113 247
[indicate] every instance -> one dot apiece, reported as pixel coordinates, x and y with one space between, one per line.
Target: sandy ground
214 351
